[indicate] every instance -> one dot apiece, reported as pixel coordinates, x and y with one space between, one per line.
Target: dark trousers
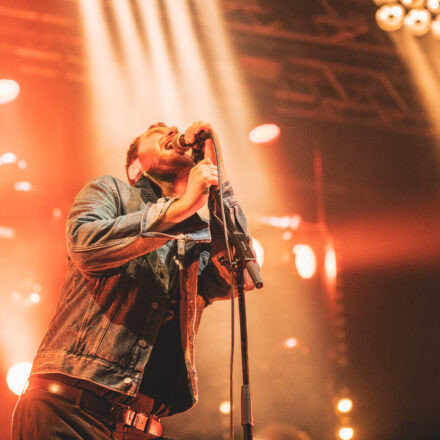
43 416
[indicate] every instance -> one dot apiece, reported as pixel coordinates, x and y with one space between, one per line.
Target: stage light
17 377
346 433
305 260
22 164
7 232
8 158
264 133
411 4
259 250
433 6
390 17
34 298
435 27
22 186
418 21
330 263
57 213
225 407
291 343
9 90
345 405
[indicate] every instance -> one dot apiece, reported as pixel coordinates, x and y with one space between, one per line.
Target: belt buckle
141 421
136 419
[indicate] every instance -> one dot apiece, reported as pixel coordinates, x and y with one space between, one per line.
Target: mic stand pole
243 258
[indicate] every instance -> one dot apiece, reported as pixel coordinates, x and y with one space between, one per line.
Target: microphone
180 146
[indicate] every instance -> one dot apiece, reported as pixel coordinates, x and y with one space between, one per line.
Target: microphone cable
228 249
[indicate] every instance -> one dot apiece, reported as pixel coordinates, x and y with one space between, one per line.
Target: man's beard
172 167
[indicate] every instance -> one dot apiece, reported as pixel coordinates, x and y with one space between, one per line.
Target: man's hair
132 152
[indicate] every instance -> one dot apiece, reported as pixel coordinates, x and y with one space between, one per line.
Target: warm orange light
17 377
225 407
330 263
345 405
259 250
305 260
34 298
8 158
22 186
346 433
9 90
291 343
264 133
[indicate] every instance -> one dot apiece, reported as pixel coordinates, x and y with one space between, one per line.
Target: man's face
156 153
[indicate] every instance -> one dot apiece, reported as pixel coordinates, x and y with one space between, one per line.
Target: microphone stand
243 259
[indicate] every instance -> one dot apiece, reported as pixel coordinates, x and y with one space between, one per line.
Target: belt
89 401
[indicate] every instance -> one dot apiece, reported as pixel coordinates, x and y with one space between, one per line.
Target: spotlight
34 297
8 158
418 21
7 232
433 6
345 405
411 4
225 407
259 250
330 263
264 133
22 186
390 17
291 343
346 433
9 90
17 377
435 27
305 260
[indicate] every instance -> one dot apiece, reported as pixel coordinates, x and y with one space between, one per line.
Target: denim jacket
113 301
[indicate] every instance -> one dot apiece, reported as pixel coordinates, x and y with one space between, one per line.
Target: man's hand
209 150
201 177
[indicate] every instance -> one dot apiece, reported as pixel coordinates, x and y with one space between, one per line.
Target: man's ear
134 171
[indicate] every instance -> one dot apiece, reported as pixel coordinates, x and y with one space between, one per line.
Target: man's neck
170 185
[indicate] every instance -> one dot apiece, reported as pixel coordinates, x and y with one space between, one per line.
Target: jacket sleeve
215 279
99 238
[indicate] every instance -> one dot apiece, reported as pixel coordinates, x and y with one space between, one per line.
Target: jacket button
154 305
143 343
128 380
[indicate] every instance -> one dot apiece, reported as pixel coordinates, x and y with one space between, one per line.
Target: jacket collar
150 190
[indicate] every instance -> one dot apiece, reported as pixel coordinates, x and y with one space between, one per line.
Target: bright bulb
345 405
433 6
264 133
418 21
22 186
411 4
9 90
390 17
346 433
225 407
291 343
8 158
17 377
305 260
